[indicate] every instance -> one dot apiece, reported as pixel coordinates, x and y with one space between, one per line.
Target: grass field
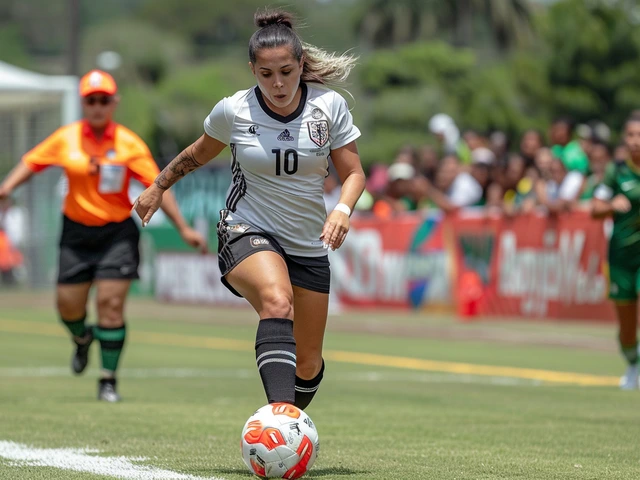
405 396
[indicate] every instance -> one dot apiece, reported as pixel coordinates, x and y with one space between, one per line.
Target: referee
99 241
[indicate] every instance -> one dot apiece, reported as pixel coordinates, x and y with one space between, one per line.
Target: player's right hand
148 203
620 204
4 193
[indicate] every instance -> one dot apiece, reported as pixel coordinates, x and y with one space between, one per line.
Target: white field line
368 376
80 460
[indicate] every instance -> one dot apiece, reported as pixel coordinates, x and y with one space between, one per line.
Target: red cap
97 81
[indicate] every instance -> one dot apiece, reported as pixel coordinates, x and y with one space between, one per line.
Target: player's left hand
194 239
335 229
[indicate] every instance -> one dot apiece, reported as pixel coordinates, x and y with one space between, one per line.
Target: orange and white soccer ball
279 441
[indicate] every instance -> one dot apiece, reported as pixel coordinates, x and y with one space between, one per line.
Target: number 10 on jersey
290 164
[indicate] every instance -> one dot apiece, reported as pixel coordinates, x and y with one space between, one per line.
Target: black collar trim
278 117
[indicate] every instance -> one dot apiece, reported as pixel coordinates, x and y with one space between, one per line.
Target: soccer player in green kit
619 196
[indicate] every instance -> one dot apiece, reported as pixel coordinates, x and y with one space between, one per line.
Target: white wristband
341 207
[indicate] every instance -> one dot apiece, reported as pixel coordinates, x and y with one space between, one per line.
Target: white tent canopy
22 87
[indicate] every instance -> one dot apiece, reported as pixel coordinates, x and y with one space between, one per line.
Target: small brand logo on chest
286 136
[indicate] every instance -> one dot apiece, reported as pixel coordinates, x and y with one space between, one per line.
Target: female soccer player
99 242
274 232
619 196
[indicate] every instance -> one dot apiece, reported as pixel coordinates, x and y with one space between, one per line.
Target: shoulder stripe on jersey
239 182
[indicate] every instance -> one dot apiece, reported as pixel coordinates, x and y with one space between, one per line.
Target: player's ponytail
320 66
323 67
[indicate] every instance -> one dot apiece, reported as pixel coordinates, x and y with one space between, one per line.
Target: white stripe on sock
276 360
276 352
307 389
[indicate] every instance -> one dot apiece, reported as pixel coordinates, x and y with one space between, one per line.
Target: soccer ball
279 441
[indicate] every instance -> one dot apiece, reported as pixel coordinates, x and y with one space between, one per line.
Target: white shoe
629 381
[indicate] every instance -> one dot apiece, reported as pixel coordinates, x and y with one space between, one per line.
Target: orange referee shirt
98 171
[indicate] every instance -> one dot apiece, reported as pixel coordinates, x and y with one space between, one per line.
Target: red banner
530 265
393 263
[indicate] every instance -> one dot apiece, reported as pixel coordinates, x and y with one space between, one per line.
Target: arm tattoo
178 168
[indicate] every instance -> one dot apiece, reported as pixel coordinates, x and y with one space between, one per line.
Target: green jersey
623 179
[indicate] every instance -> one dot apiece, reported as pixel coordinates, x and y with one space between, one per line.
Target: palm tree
510 21
384 23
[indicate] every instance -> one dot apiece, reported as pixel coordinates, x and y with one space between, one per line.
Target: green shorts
624 283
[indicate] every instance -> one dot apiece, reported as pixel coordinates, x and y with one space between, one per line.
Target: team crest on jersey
316 113
319 132
111 154
253 130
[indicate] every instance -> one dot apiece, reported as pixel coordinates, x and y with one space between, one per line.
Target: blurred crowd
555 170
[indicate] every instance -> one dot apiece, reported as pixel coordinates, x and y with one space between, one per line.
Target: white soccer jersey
279 163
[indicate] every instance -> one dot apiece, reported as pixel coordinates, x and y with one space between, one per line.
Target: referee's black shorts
108 252
237 242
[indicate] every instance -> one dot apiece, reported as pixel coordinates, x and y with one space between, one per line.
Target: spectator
377 179
620 153
428 162
483 162
407 154
400 192
517 184
499 143
530 143
585 136
559 192
542 163
599 157
566 149
474 140
453 187
600 131
448 134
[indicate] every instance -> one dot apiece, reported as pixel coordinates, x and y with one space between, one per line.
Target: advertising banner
533 265
399 262
476 263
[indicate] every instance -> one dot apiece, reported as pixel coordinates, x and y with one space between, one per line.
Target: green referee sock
111 344
77 327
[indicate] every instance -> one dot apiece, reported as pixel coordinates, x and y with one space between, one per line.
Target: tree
148 53
594 59
445 79
208 28
384 23
509 21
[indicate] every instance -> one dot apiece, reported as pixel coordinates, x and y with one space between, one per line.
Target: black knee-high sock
276 359
306 389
